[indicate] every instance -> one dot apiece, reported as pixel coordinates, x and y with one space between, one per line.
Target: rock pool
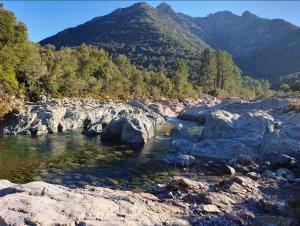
74 160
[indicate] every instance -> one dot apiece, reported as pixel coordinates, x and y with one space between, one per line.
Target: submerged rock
180 132
180 159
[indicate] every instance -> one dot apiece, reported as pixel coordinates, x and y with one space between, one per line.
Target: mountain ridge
263 48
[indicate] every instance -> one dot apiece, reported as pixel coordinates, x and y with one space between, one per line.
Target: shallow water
75 160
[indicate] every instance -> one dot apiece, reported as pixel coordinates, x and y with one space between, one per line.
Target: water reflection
73 159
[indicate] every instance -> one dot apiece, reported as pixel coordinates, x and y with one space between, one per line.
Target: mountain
148 37
154 38
261 47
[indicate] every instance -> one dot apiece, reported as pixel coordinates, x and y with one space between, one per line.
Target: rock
180 132
181 183
93 129
134 130
134 119
282 172
296 180
229 170
216 148
5 184
39 203
273 206
253 175
262 129
209 208
183 146
180 159
248 128
283 161
245 159
268 174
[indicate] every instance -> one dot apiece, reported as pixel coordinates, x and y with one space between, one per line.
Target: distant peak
141 5
248 14
165 8
221 13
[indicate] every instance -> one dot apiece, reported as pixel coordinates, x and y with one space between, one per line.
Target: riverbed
75 160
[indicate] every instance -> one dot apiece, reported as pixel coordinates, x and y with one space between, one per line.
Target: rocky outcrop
261 128
39 203
131 122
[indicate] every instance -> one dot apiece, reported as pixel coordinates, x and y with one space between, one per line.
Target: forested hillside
154 38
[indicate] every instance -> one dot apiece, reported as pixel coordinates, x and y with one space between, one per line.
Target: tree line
28 70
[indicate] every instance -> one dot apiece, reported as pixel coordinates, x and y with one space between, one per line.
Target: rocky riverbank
251 199
132 122
255 144
260 130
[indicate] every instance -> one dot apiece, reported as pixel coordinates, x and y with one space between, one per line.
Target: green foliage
181 86
295 86
285 87
88 71
219 76
8 81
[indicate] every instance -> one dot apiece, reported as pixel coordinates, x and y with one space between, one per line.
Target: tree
296 86
225 68
208 70
8 81
285 87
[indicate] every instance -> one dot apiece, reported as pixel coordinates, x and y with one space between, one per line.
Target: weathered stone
209 208
180 132
229 170
180 159
93 129
135 120
39 203
284 161
178 183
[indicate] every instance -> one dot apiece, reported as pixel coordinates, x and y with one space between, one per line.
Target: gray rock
180 132
282 172
135 120
180 159
284 161
268 174
39 203
93 129
136 129
209 208
229 170
181 183
183 146
219 148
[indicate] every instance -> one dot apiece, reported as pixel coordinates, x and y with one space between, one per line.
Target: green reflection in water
73 159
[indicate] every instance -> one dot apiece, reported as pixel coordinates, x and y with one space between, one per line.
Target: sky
46 18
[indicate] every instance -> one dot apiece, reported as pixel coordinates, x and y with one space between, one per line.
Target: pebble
209 208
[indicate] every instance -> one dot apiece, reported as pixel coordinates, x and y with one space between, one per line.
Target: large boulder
248 128
39 203
131 122
137 129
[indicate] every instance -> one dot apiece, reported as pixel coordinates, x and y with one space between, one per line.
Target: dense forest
28 70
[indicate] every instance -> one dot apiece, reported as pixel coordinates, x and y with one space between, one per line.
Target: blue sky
45 18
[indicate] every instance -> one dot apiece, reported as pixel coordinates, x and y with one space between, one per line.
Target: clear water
75 160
